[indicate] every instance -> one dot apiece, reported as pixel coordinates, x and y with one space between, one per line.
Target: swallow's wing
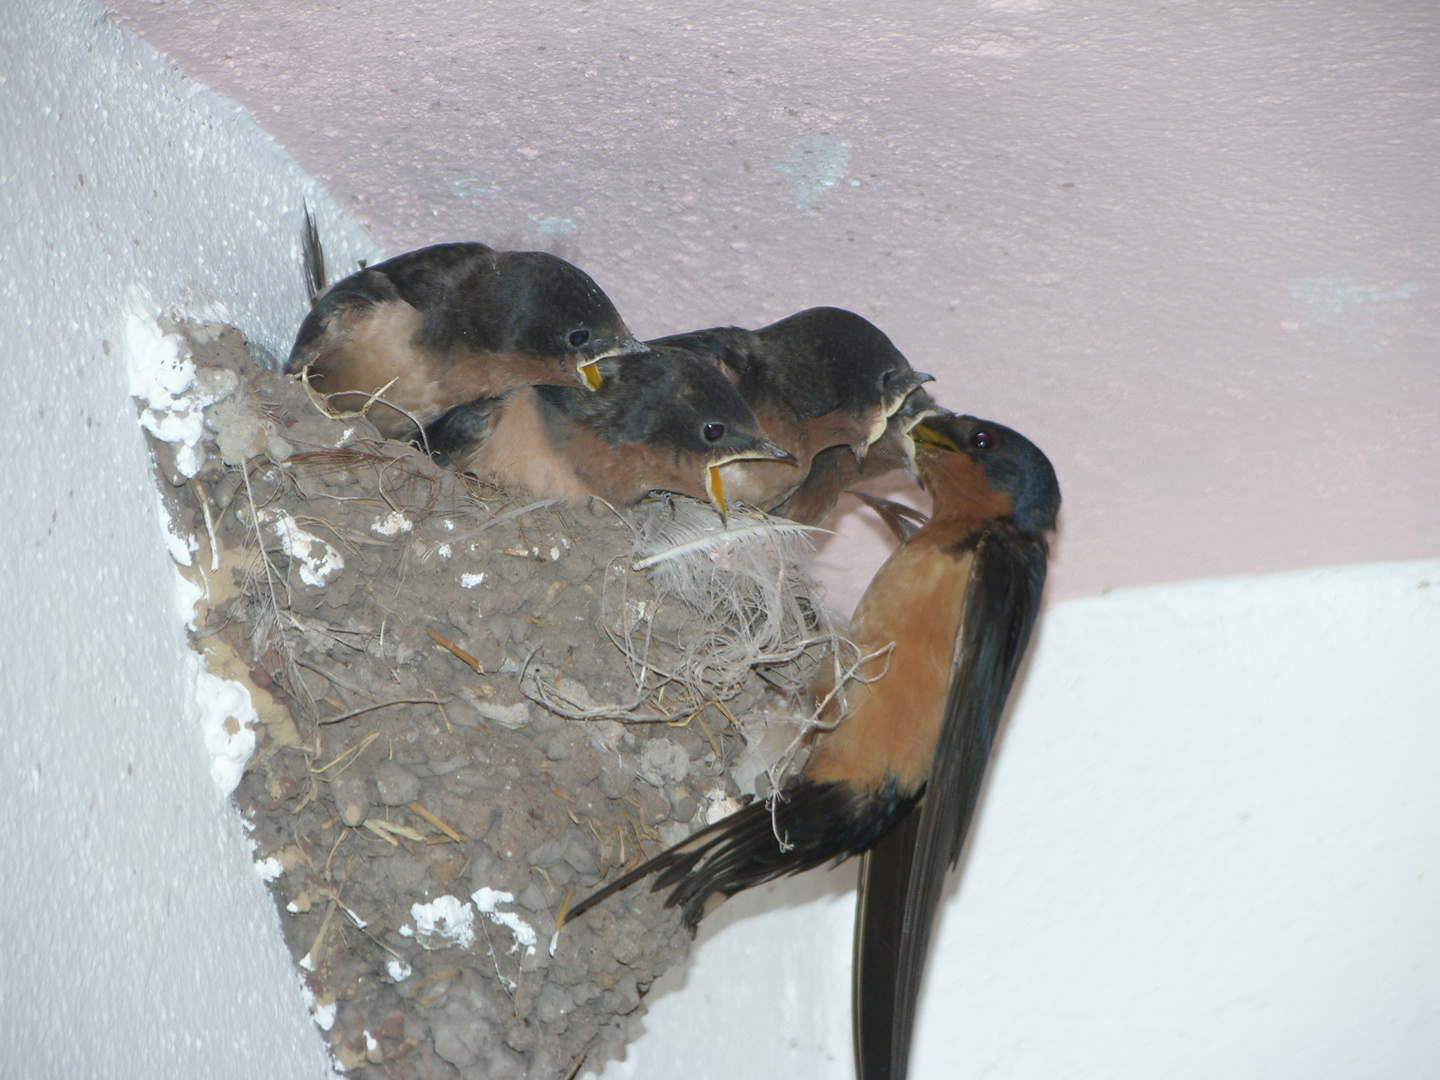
819 823
902 877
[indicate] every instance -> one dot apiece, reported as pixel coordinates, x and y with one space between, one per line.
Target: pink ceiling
1191 251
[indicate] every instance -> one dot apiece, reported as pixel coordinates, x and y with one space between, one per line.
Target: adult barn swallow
447 324
835 470
957 600
823 377
663 420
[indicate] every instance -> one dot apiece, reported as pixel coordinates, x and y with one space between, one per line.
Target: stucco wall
1208 847
135 939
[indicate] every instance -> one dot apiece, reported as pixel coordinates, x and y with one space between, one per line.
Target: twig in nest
508 515
388 830
416 808
322 403
455 650
383 705
355 750
204 497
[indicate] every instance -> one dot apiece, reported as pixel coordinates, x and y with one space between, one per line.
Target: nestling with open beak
836 469
662 421
823 377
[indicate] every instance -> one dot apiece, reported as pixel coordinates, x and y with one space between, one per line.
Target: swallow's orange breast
890 724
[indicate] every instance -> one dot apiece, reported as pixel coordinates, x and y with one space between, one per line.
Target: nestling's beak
589 370
915 431
715 488
769 450
903 388
765 450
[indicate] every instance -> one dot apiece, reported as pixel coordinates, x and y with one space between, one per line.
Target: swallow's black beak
902 387
772 451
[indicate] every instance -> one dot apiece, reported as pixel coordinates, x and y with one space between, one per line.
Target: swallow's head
840 363
687 417
547 307
949 448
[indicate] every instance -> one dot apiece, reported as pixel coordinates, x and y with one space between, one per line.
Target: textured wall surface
1210 846
136 940
1192 250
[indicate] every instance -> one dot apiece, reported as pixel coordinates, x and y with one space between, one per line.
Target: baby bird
447 324
835 470
823 377
660 421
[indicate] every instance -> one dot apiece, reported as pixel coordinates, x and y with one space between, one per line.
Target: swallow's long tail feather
882 1048
820 823
902 883
315 277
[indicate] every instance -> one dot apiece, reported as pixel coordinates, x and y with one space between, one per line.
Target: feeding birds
515 366
836 469
663 420
824 377
447 324
899 775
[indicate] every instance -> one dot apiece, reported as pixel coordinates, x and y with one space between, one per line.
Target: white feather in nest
746 583
749 603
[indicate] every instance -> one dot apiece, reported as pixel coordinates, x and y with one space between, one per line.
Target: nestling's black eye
714 432
982 439
579 337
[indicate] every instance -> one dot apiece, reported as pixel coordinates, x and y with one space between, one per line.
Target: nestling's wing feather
896 909
461 431
314 254
902 521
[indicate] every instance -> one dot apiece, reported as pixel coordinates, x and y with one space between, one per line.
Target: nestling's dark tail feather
882 1048
820 823
315 281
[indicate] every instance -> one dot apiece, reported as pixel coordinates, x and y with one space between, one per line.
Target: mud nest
469 709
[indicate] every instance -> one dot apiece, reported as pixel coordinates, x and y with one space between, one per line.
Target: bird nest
469 709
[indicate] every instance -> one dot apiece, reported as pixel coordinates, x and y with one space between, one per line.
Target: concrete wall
1210 843
135 939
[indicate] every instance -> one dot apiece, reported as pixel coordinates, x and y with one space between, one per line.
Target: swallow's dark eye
982 439
714 432
888 377
579 337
